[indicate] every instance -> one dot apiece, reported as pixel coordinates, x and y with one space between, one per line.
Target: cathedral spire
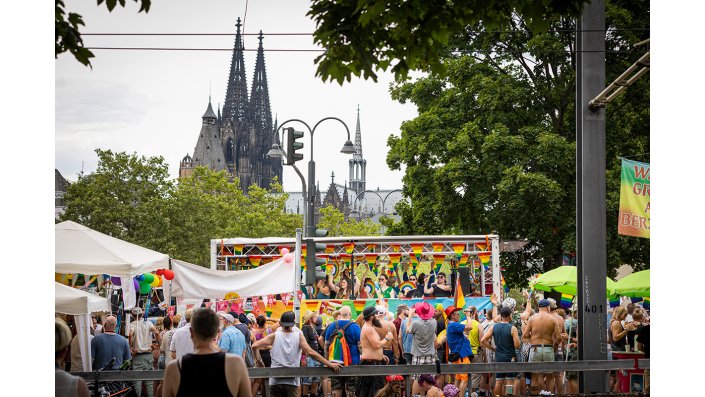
259 97
236 94
358 138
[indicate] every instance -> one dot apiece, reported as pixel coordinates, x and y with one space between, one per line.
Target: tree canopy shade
66 29
361 37
493 146
131 198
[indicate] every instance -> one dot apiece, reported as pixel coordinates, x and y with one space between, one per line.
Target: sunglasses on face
412 279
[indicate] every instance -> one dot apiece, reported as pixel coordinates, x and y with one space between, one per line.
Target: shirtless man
560 351
390 349
543 333
372 352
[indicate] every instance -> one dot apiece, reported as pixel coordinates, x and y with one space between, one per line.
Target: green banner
635 200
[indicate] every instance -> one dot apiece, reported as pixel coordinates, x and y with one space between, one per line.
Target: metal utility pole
591 223
297 275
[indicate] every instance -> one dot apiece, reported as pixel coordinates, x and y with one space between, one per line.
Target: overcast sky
151 102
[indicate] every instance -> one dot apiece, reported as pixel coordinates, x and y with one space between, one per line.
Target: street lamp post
383 200
310 191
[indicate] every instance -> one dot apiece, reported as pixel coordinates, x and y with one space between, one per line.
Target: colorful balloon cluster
144 282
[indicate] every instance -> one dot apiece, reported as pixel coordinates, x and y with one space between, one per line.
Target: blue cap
544 303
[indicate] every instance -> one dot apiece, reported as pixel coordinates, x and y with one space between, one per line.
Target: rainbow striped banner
371 260
614 302
395 259
646 304
463 261
238 249
437 247
395 247
330 248
371 247
485 258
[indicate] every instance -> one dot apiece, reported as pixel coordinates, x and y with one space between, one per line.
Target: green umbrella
635 285
564 279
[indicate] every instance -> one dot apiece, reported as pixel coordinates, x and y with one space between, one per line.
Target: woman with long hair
261 329
343 290
384 290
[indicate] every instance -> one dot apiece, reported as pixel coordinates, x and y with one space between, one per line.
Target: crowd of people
208 353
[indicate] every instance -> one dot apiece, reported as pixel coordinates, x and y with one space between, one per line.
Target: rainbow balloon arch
391 255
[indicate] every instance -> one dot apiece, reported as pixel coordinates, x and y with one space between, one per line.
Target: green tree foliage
66 29
334 221
119 197
493 146
131 198
361 37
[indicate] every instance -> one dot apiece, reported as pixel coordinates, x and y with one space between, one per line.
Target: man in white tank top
287 343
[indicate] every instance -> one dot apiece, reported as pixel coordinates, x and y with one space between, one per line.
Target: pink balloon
285 251
288 258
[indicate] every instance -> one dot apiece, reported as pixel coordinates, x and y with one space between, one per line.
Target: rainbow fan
369 287
407 286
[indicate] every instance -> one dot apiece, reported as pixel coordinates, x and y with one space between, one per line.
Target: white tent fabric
192 281
80 249
69 300
79 303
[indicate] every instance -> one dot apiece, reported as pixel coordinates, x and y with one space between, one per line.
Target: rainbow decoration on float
485 259
417 248
458 248
394 259
437 247
369 288
438 262
406 286
349 247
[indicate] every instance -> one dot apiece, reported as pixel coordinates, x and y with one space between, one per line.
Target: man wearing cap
231 339
140 340
458 344
423 350
543 333
506 341
287 343
352 337
372 352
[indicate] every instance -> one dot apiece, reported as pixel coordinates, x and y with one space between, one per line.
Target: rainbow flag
463 261
647 303
255 260
458 248
371 247
438 261
566 301
395 259
360 303
417 248
340 353
504 283
485 258
406 286
481 246
330 248
614 302
459 296
437 247
238 249
347 259
303 251
349 247
395 247
262 247
371 260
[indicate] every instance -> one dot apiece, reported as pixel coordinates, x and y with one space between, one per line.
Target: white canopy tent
80 304
80 249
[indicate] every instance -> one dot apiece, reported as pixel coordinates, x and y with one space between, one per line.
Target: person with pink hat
423 349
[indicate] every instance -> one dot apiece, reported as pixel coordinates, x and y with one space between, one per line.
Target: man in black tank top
207 371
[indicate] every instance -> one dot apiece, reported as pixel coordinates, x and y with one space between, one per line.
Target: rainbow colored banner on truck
635 200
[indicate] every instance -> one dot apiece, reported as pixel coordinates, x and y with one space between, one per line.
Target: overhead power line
320 50
311 34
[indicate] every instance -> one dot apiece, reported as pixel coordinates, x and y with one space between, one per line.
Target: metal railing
401 369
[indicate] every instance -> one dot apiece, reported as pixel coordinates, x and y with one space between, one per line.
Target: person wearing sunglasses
438 289
384 291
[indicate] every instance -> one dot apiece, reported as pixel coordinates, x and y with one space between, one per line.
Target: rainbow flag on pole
566 301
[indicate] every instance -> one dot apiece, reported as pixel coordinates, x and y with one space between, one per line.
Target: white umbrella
79 303
80 249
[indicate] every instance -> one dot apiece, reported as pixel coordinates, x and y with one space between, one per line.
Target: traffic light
292 145
314 263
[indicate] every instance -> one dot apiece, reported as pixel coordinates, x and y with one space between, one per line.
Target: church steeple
358 165
208 151
236 95
259 98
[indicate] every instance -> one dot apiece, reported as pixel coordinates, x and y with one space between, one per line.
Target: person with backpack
343 336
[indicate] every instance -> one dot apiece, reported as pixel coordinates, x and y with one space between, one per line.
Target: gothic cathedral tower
358 165
238 140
